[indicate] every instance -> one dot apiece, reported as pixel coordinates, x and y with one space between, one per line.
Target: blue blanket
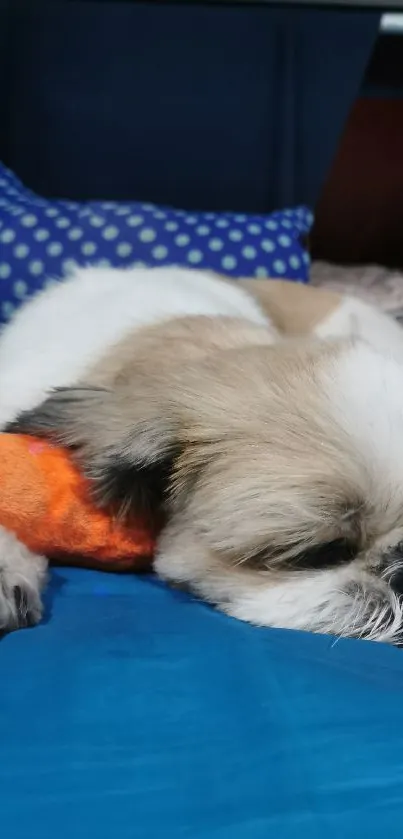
137 712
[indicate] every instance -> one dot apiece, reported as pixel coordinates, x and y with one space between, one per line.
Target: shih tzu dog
261 422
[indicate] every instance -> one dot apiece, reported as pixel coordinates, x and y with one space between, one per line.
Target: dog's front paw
22 578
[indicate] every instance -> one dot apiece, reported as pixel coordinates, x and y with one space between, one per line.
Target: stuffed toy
47 503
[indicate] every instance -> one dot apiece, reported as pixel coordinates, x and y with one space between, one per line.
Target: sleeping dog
261 422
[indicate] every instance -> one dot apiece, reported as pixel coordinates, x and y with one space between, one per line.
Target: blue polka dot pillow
41 240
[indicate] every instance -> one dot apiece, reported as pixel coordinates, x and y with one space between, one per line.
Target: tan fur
177 342
295 309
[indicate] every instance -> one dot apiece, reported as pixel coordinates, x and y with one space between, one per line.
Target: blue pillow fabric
133 711
41 239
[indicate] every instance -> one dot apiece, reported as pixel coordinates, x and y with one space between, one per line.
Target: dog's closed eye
327 555
317 557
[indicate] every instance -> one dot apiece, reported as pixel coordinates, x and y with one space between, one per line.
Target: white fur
358 319
22 570
317 602
365 392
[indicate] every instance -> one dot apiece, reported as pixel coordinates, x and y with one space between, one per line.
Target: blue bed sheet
137 712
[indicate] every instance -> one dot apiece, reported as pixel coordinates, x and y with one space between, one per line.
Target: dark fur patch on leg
129 488
120 479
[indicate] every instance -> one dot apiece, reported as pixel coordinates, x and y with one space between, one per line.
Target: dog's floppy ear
125 446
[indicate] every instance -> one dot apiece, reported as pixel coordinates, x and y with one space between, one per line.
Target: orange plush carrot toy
46 502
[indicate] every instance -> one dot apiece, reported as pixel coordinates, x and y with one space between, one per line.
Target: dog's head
279 471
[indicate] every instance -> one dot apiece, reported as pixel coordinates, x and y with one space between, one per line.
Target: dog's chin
344 602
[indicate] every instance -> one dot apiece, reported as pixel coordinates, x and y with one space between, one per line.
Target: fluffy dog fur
274 464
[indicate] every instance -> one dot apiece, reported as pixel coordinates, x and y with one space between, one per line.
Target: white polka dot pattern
159 252
42 241
216 244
